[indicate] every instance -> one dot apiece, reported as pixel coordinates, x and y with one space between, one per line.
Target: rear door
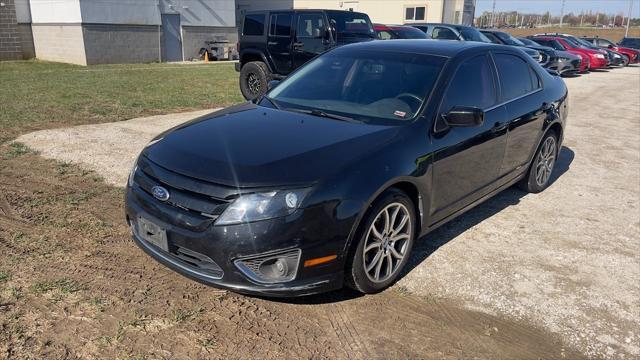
279 41
521 92
311 37
467 159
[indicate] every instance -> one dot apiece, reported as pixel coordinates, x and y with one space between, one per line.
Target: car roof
455 26
392 27
444 48
299 10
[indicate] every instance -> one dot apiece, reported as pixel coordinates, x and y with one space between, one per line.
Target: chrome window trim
512 100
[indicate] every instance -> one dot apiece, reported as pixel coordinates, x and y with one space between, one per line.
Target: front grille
188 194
201 262
576 63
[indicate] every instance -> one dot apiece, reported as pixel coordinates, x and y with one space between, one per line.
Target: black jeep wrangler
274 43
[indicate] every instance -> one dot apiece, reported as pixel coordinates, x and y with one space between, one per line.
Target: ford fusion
330 178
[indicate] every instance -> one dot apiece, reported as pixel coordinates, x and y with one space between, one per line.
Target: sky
554 6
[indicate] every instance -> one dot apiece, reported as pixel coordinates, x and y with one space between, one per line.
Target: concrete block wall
194 37
111 43
10 45
59 42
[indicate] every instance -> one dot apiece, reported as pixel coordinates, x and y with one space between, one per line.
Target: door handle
298 45
272 43
499 126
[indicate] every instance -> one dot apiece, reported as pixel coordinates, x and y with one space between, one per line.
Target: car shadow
600 70
429 244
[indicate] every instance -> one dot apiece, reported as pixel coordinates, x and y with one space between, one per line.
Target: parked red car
633 56
391 32
597 59
585 64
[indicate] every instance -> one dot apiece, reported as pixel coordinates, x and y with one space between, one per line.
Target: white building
120 31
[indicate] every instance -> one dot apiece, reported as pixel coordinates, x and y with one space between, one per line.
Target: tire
254 79
357 276
625 61
542 165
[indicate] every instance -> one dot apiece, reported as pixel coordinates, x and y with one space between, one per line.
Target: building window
415 13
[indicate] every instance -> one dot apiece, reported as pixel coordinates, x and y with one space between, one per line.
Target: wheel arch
406 185
250 55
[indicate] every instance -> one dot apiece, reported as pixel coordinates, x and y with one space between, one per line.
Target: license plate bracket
152 233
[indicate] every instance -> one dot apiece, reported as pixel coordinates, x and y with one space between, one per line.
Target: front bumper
225 244
598 63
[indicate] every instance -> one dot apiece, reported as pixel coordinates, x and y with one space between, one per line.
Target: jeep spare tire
254 79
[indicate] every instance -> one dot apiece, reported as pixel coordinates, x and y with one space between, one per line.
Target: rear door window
253 25
515 76
310 25
280 25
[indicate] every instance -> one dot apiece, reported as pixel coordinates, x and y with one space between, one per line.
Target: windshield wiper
316 112
273 102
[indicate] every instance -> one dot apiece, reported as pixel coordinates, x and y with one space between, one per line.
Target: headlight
600 56
262 206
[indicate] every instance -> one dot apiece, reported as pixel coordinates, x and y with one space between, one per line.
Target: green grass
37 94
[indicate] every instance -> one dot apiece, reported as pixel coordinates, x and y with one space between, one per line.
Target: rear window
253 25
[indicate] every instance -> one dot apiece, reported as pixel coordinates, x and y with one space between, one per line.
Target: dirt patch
109 149
73 284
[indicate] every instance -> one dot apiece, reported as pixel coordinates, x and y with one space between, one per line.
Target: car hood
252 146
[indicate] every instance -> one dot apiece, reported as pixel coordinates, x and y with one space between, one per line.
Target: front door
311 37
467 159
172 37
279 41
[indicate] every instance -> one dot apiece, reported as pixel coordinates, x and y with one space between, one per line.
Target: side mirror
273 83
610 46
464 116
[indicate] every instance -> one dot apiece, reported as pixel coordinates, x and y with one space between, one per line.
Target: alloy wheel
254 83
545 161
387 242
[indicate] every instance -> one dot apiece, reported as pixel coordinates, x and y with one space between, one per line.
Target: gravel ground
566 259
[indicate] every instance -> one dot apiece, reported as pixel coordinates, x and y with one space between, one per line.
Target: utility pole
626 32
597 17
493 14
562 13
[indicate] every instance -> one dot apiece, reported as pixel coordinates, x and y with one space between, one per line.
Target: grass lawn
37 95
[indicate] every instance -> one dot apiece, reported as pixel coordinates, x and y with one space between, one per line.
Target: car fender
264 58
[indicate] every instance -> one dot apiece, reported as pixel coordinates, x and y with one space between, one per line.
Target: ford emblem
160 193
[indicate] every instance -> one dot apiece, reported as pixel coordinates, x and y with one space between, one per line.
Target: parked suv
274 43
451 32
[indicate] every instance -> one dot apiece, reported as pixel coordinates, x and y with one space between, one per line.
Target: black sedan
565 63
331 177
500 37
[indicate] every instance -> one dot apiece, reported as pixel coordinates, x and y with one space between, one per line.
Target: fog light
271 268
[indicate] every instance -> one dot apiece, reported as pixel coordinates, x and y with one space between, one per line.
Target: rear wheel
541 168
254 77
384 245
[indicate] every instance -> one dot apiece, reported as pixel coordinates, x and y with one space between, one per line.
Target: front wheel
625 60
254 77
544 161
384 245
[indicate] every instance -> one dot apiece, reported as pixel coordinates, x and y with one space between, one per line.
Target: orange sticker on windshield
399 113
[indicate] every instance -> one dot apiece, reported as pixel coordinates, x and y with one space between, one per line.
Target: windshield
508 39
369 86
550 43
528 42
351 24
471 34
408 33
